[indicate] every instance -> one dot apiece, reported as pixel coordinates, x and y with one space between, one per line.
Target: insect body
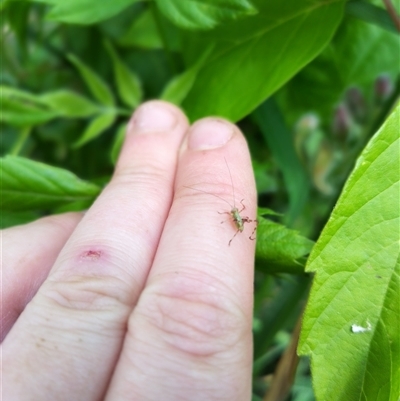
237 219
240 221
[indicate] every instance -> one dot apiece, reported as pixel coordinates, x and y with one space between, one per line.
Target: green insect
240 221
234 213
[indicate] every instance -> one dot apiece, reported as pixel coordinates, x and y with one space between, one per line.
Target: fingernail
209 134
152 117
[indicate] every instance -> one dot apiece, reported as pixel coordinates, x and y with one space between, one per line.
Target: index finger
197 304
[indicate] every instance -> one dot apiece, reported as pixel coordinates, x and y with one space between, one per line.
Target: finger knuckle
88 293
193 315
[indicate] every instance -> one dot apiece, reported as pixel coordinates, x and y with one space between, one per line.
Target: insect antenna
208 193
233 188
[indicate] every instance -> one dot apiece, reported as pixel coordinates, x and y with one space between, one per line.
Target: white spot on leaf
355 328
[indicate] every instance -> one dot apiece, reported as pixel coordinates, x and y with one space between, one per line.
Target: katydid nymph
238 220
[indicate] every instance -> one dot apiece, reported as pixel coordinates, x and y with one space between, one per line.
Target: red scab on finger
91 255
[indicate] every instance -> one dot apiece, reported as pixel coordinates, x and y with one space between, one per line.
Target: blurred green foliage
308 81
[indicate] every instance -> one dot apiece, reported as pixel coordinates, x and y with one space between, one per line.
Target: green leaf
118 141
357 55
95 83
23 109
204 14
22 137
28 185
281 143
128 83
98 125
363 51
8 92
69 104
22 115
279 307
370 13
3 4
39 1
143 32
255 56
280 249
351 324
11 219
86 11
178 88
18 18
265 211
73 207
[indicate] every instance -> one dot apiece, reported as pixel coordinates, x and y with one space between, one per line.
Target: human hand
141 298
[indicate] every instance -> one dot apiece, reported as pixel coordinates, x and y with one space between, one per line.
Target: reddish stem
392 13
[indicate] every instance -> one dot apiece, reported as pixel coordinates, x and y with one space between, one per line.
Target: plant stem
393 14
123 112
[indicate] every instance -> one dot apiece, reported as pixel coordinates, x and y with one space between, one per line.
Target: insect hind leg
252 237
229 243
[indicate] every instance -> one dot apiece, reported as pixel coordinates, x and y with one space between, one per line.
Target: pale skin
140 298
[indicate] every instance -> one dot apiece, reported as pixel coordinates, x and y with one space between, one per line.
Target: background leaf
204 14
69 104
143 32
357 55
128 83
278 302
86 11
281 142
22 115
370 13
27 185
100 90
255 56
18 20
280 249
95 128
118 141
3 4
359 251
21 137
179 86
11 219
21 108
